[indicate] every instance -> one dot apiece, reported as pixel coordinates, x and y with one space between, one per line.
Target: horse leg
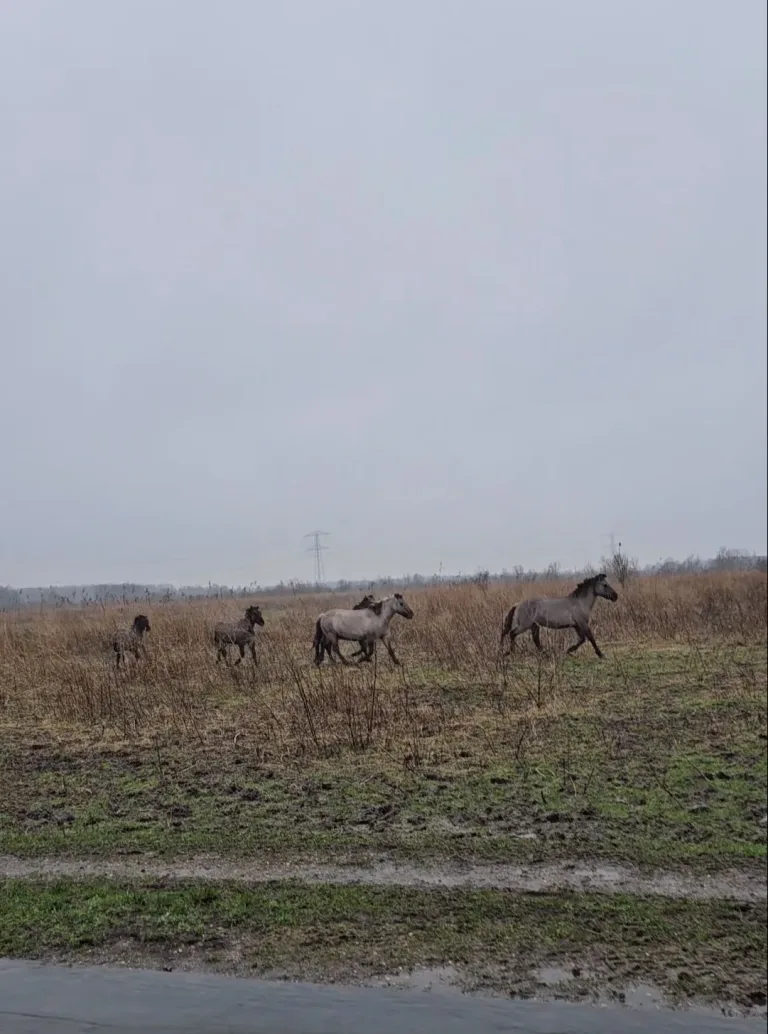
595 647
520 628
319 650
582 637
252 646
326 648
339 654
390 651
536 633
337 648
345 656
332 645
512 637
241 648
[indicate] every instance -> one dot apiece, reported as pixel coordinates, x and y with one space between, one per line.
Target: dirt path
600 877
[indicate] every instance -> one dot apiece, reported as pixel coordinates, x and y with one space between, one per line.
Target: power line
317 549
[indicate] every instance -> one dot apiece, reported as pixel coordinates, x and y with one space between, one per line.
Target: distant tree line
620 566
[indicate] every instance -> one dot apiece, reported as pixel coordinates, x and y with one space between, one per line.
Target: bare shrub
57 672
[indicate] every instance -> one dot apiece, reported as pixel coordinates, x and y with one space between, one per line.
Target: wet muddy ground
609 847
577 946
704 808
591 877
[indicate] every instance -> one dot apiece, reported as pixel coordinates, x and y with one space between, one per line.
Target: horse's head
604 589
399 606
141 624
366 603
254 616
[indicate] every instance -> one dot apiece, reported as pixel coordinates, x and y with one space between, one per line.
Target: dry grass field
653 759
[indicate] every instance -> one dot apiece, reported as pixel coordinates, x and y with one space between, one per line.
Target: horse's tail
507 626
317 642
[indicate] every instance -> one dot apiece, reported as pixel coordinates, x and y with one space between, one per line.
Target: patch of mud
579 982
438 980
534 878
552 976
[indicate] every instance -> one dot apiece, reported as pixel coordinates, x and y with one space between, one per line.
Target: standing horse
364 626
129 640
572 611
240 633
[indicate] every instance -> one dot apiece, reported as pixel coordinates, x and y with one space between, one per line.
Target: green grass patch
712 950
655 756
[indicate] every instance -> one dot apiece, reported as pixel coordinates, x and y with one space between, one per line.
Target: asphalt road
36 999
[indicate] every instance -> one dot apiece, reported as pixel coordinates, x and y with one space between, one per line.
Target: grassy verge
655 756
712 951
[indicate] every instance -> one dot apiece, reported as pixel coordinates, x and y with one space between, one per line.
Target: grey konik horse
364 626
369 600
129 640
367 650
572 611
238 633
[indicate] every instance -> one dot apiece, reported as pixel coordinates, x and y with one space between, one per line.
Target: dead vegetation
56 672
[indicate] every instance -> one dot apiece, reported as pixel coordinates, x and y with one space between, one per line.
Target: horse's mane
588 583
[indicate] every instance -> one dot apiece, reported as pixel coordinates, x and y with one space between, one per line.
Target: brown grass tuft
57 670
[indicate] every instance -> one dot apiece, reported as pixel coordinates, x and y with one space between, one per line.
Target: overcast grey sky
463 282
